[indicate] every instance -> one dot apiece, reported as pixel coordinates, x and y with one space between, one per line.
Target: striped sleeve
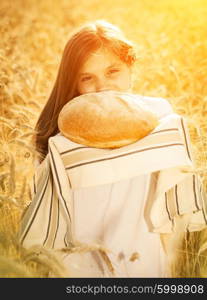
186 198
43 222
63 189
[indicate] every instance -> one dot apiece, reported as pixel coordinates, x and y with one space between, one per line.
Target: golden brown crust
106 119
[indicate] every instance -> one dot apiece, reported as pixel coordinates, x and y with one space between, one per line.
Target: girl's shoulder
160 106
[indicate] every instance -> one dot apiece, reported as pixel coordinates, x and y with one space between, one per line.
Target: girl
96 58
114 215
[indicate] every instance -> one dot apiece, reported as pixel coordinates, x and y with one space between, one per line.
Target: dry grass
172 47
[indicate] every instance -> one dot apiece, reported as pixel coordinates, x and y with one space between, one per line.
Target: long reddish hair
87 39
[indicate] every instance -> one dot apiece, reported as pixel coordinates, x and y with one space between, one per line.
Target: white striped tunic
120 199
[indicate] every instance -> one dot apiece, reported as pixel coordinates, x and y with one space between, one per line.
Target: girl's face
104 71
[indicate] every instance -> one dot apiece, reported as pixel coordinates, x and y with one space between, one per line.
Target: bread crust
106 119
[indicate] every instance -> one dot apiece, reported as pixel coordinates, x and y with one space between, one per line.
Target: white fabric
113 216
119 199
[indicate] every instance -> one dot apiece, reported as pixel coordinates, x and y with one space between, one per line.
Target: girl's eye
112 71
86 78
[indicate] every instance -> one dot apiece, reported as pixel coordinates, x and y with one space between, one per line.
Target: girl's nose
102 85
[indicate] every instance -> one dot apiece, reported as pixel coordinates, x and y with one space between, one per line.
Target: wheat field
172 63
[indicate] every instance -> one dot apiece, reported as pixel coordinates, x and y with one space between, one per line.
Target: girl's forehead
100 58
102 51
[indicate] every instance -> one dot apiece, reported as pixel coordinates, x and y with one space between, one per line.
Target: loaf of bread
106 119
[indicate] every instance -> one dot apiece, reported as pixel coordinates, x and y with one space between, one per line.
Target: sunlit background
171 39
